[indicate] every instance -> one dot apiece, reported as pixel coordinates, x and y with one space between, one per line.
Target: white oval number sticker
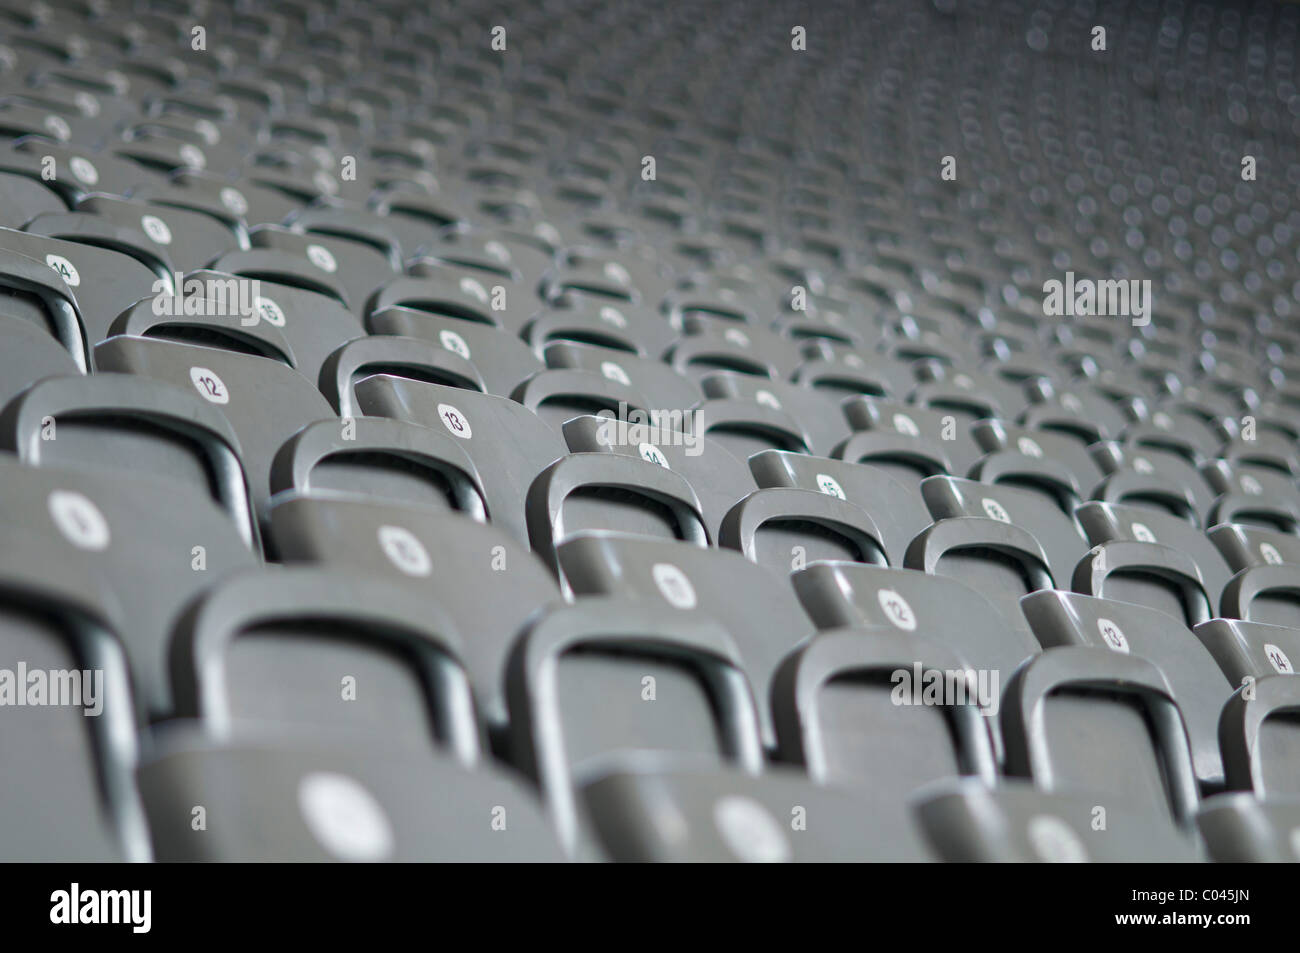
322 258
652 454
344 817
1277 658
66 269
451 341
750 832
1112 635
404 550
1142 533
84 169
674 586
79 520
896 609
156 229
995 510
269 311
615 373
210 387
1055 841
830 486
455 421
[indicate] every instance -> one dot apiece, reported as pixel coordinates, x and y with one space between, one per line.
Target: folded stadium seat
662 681
128 239
380 459
718 478
222 311
240 370
74 771
843 594
634 276
1154 478
1196 683
132 425
104 282
708 296
1259 735
745 428
1069 414
313 323
417 217
241 202
190 239
1246 546
353 224
1241 828
24 198
1176 429
1052 450
413 358
599 325
965 407
76 172
461 294
152 149
1268 449
1250 651
1264 594
502 359
296 800
595 320
663 387
824 335
844 372
784 528
507 442
485 581
1100 724
649 814
1045 478
152 542
1145 556
836 706
814 411
853 595
559 395
613 492
282 267
716 345
41 319
1058 536
894 508
1125 388
357 269
991 553
489 250
324 652
759 612
838 319
1252 495
969 822
928 349
27 352
904 441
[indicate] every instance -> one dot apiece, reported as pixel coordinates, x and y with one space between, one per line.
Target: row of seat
268 658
